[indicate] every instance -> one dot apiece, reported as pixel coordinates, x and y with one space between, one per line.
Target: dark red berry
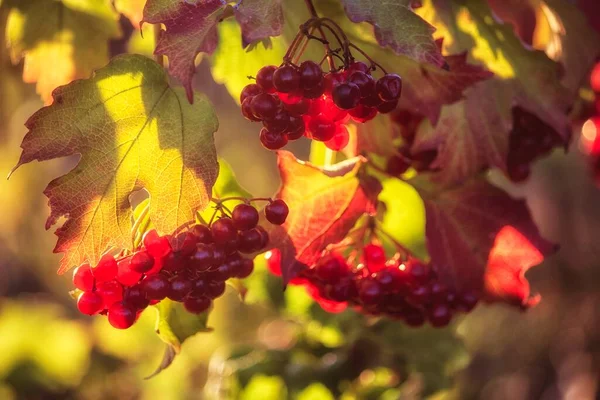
322 129
83 279
185 244
418 271
286 79
340 140
370 292
439 315
296 105
215 289
264 78
110 291
264 237
156 287
272 141
387 106
362 113
315 91
199 288
390 278
413 317
311 74
342 290
264 106
219 255
157 246
346 95
332 79
467 301
179 287
389 87
296 128
121 315
223 230
197 305
439 292
141 262
250 241
331 269
364 81
247 110
245 217
125 275
419 296
173 262
136 297
106 269
202 233
372 100
244 269
278 124
89 303
359 66
203 258
277 212
250 90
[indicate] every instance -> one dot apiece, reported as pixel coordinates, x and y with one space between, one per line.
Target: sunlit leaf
259 19
132 131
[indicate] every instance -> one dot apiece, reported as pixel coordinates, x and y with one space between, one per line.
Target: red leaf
324 205
481 239
259 19
191 29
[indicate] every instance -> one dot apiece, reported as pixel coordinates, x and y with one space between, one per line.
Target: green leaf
132 131
60 40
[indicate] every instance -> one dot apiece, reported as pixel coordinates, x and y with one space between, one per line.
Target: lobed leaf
131 131
59 40
259 19
324 205
480 238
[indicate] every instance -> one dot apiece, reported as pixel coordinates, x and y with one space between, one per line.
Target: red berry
322 129
467 301
439 292
264 78
296 128
277 212
342 290
244 269
315 91
419 296
89 303
439 315
141 262
223 230
264 106
340 139
250 90
179 287
364 81
157 246
250 241
332 79
311 74
202 233
215 289
370 292
125 275
247 110
390 278
362 113
331 269
136 297
121 315
413 317
278 124
359 66
419 272
156 287
264 237
295 105
595 78
83 279
286 79
387 106
197 305
326 108
374 257
245 217
272 141
184 244
219 255
199 288
346 95
389 87
106 269
203 258
110 291
372 100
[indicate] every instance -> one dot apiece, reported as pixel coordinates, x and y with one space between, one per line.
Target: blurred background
281 344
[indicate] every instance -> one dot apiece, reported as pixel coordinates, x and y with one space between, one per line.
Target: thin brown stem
373 62
313 12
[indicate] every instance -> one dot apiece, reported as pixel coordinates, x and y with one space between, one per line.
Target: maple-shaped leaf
259 19
191 28
132 131
132 9
479 238
324 205
59 40
397 26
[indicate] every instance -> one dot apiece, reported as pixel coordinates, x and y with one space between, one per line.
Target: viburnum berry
121 315
141 262
250 90
106 269
250 241
156 245
340 139
125 274
223 230
89 303
245 268
110 292
271 140
311 74
83 278
215 289
286 79
264 106
247 110
322 129
179 287
197 305
389 87
202 233
136 297
156 287
245 217
264 78
346 95
276 212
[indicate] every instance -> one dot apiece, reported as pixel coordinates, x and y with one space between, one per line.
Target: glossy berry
121 315
370 292
296 128
439 315
279 124
83 279
202 233
332 79
156 287
311 74
247 110
179 287
197 305
89 303
286 79
215 289
277 212
250 90
331 269
346 95
264 106
296 105
340 140
362 113
250 241
387 106
223 230
185 244
322 129
245 217
271 140
264 235
125 275
156 245
364 81
418 271
141 262
315 91
110 291
203 258
245 268
359 66
389 87
106 269
374 257
136 297
264 78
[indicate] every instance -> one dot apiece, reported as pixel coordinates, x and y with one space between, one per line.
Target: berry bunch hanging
400 287
190 267
295 100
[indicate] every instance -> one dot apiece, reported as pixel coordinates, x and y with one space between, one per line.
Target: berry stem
379 232
367 57
313 12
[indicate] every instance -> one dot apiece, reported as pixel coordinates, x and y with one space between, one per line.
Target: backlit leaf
132 131
259 19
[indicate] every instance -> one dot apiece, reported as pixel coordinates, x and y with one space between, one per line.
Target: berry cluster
190 267
408 123
408 290
530 138
294 101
